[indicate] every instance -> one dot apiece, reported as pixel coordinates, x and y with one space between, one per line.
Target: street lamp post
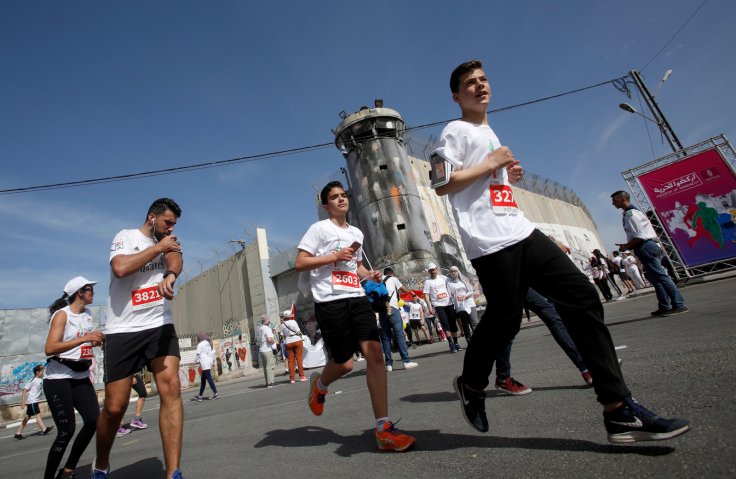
659 118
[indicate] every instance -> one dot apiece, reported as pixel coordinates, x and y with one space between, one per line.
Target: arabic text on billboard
695 200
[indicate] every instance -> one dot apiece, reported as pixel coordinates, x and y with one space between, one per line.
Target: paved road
682 366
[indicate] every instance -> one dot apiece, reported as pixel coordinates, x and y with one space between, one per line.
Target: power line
263 156
673 36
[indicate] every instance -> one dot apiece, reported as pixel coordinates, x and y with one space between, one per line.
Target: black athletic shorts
127 353
345 322
415 323
32 409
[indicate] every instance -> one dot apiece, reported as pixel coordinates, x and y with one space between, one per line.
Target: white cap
287 314
75 284
431 266
265 319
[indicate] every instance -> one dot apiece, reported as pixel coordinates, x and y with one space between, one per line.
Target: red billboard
695 201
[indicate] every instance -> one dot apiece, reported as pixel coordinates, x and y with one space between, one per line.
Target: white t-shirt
415 311
629 263
335 280
617 261
437 290
264 332
77 325
205 355
393 286
134 303
637 225
459 294
35 389
482 231
290 330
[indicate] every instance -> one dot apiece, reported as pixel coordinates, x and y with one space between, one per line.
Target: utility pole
661 120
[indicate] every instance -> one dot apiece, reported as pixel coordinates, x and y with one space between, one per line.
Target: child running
331 251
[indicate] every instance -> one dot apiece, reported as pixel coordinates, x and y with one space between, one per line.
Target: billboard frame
726 151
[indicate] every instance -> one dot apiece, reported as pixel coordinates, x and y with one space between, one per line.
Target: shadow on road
150 468
434 440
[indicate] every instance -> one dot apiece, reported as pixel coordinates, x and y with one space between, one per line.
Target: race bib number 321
502 200
146 297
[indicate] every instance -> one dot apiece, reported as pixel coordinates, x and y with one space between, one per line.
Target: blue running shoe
473 405
177 475
633 422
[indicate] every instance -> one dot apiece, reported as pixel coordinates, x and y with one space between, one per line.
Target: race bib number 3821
146 297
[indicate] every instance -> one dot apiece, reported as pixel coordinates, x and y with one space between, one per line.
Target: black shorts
446 315
415 323
127 353
622 274
344 323
32 409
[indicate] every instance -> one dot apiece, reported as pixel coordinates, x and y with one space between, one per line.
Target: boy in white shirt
331 252
29 399
509 255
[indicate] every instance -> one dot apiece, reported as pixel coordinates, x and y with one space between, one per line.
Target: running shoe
391 439
302 378
96 473
633 422
138 424
458 347
512 386
19 436
197 398
587 377
292 381
389 368
177 475
472 404
122 431
660 312
316 396
47 430
410 364
675 311
216 396
60 474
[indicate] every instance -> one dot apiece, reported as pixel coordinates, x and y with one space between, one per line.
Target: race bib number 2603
146 297
345 281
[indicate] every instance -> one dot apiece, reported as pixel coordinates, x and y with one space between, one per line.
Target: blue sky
94 89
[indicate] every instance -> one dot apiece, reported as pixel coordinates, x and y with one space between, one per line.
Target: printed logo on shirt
117 245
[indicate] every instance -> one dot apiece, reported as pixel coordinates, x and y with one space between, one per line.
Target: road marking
620 347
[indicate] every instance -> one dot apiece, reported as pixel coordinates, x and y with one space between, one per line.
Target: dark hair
326 190
622 193
61 303
161 205
461 70
388 271
39 367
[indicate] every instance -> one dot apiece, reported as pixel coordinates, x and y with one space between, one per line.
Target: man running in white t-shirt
510 255
144 264
437 297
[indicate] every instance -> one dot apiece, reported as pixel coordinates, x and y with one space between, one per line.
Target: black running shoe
473 405
675 311
660 312
633 422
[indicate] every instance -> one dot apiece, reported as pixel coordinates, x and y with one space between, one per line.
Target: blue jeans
548 314
668 296
393 324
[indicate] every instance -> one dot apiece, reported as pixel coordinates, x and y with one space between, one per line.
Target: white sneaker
410 364
389 368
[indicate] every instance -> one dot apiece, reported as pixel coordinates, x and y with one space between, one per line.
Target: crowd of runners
517 267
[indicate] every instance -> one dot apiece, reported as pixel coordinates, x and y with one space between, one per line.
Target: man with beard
144 264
